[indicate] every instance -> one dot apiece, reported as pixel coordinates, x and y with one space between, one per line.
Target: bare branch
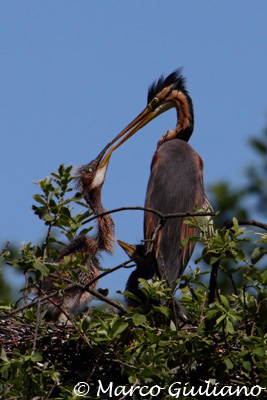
36 326
25 292
105 299
123 265
84 288
251 222
159 214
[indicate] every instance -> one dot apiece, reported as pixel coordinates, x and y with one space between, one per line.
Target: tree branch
252 222
159 214
84 288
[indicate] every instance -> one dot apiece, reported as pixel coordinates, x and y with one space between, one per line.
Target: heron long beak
130 249
141 120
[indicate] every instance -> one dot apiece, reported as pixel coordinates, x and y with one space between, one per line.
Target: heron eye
154 102
90 169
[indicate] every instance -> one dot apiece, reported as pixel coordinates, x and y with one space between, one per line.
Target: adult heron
176 180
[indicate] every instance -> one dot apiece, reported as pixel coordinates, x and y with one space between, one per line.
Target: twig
91 291
252 222
123 265
96 294
244 300
51 390
213 282
159 214
176 322
36 327
25 292
230 276
202 307
46 241
73 321
52 294
32 303
104 298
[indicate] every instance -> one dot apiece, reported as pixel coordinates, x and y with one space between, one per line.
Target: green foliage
224 343
55 204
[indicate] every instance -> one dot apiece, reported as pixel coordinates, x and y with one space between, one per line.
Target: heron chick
73 300
90 179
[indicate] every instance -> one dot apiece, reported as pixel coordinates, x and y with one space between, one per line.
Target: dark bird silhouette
144 270
176 180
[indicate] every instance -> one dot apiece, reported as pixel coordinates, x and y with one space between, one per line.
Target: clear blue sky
74 73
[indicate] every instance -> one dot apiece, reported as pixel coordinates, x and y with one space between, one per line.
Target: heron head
92 175
162 95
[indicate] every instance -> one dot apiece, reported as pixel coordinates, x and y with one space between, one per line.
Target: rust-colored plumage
90 179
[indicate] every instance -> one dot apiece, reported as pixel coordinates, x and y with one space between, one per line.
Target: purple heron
90 178
176 180
74 299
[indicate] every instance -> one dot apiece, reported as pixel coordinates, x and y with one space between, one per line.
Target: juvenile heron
144 270
90 179
73 300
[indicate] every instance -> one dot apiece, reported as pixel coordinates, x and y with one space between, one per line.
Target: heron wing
175 186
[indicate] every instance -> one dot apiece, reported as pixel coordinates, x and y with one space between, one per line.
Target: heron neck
105 236
94 200
185 116
182 102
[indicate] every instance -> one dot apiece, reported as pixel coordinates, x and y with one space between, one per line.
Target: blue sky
74 73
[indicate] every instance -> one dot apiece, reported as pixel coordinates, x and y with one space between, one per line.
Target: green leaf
118 327
173 327
264 277
37 357
132 378
184 242
228 363
48 218
139 319
163 310
3 355
86 323
211 313
39 199
224 302
247 365
257 254
104 292
29 315
235 223
229 327
41 267
213 260
220 319
259 352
